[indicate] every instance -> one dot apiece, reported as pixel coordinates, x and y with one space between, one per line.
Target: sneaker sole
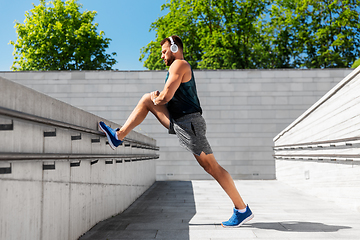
245 221
109 140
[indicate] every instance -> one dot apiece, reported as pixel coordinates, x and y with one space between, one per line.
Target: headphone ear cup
174 48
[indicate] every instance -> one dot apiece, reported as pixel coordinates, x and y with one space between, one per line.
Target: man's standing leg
211 166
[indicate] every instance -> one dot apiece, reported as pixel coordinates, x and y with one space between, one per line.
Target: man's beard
170 60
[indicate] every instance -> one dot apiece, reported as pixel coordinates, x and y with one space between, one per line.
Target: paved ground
193 210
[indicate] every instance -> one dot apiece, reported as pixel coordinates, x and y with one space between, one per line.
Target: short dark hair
176 39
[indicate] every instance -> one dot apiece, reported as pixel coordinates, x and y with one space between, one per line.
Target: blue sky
126 22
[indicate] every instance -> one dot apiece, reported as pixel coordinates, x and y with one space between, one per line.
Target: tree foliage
60 37
245 34
319 34
356 64
216 34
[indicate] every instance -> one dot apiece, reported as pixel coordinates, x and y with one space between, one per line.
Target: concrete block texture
319 152
65 202
244 110
339 185
334 116
56 181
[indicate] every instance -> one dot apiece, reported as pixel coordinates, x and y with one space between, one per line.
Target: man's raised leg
144 106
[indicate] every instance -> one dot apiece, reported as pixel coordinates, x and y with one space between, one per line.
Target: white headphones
174 48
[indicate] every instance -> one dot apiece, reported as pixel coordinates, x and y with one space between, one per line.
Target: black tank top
185 99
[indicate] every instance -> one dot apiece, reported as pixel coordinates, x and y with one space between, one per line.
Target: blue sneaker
237 219
110 133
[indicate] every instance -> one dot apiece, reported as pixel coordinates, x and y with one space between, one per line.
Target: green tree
221 34
356 64
315 34
60 37
241 34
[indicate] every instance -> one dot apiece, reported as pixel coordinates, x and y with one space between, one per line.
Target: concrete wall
319 153
45 195
244 110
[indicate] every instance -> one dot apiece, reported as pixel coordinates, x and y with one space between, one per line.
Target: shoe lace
233 218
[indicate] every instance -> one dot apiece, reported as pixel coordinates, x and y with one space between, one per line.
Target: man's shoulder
180 65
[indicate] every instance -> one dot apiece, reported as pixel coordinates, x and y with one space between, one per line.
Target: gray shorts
191 130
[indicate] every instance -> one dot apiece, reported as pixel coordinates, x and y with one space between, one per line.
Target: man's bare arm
176 74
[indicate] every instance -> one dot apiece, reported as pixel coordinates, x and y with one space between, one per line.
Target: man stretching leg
177 108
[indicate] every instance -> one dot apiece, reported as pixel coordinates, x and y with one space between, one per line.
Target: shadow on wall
163 211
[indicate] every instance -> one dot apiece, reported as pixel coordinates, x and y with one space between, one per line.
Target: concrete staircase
58 176
319 152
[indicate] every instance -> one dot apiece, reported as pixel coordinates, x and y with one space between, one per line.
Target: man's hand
154 95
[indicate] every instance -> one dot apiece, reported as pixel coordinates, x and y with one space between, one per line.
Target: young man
177 108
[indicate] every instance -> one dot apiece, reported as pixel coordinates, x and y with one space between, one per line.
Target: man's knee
210 167
146 98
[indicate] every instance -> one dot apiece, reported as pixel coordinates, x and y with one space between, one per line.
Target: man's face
166 54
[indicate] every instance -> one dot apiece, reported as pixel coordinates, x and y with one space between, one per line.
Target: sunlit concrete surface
194 210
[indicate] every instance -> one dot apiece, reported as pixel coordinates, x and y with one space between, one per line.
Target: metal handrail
331 158
349 156
56 123
319 142
67 157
